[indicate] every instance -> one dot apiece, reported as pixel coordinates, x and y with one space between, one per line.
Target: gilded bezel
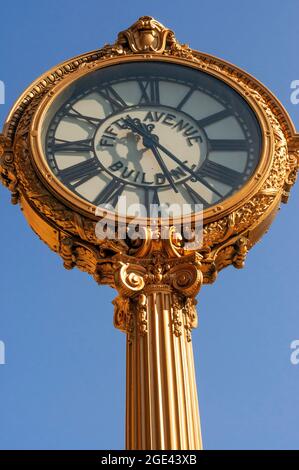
75 202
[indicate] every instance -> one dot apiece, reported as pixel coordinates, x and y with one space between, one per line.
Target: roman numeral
221 173
207 121
110 193
230 145
60 145
113 98
194 196
73 113
149 91
81 172
185 99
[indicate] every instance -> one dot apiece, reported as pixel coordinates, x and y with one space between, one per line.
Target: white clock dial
155 133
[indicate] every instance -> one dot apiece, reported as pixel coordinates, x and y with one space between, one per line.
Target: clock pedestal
156 309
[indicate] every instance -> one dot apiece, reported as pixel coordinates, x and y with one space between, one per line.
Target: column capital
158 266
158 272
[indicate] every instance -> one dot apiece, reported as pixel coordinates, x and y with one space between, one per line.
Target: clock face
152 133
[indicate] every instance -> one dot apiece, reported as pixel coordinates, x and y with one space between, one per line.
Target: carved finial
146 35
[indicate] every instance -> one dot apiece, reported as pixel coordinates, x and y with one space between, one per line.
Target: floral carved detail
131 313
123 315
177 304
190 316
141 311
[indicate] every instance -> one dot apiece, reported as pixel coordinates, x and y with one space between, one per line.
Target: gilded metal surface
161 403
24 172
159 268
156 308
157 280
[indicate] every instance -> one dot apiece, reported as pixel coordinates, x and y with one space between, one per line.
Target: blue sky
63 385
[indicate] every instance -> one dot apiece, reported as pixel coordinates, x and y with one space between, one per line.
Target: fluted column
156 309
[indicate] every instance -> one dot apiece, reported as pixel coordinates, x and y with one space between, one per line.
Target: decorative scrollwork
123 316
146 35
241 253
190 316
187 278
67 252
293 165
177 304
141 311
179 277
129 278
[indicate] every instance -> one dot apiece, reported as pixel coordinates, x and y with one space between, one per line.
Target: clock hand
139 128
141 131
151 143
164 167
187 169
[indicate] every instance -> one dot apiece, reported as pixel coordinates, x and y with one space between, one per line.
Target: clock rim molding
66 223
87 208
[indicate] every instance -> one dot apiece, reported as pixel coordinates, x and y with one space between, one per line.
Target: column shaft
161 395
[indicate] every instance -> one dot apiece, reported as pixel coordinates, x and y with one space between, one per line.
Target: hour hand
163 167
142 129
133 125
150 142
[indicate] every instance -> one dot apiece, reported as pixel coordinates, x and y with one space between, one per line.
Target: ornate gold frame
77 203
67 224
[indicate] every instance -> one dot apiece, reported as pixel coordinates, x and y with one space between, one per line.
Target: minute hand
187 169
152 145
180 163
149 136
163 167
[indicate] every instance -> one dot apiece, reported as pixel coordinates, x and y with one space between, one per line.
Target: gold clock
156 123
